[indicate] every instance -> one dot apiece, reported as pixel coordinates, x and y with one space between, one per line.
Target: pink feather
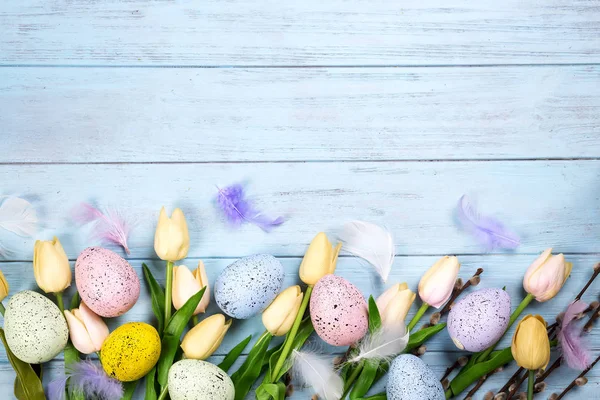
110 227
572 347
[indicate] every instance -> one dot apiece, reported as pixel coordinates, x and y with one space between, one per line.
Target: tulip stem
59 301
289 340
530 384
168 291
352 378
194 320
163 393
2 309
415 320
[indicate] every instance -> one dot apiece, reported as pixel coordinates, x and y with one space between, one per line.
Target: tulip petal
95 326
79 335
202 279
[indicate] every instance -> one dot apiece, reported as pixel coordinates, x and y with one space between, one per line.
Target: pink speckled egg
338 311
107 284
480 319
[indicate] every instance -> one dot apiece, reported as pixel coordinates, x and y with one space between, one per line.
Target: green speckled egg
35 329
130 351
199 380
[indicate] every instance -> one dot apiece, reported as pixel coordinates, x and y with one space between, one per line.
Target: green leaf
128 390
75 300
158 297
275 390
378 396
418 338
27 385
244 378
473 373
151 385
304 331
374 317
172 335
365 379
233 355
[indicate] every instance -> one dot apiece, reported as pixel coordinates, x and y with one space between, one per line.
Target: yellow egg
130 351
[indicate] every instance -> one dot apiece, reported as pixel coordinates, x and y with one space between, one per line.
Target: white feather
370 242
318 373
18 216
384 344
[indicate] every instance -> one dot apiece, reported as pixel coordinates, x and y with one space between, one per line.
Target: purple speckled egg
106 282
338 311
480 319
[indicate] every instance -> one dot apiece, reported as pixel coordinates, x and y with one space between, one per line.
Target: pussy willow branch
574 383
473 281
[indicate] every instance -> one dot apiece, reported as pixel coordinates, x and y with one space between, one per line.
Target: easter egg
130 351
107 284
338 311
36 330
480 319
409 378
247 286
199 380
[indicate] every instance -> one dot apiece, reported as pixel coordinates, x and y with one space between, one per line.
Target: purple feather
237 209
110 227
572 347
56 388
87 378
486 230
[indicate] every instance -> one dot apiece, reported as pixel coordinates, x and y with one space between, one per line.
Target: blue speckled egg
409 378
246 287
36 331
199 380
480 319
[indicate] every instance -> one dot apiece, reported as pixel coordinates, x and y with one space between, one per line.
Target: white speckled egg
480 319
35 329
247 286
338 311
199 380
106 282
409 378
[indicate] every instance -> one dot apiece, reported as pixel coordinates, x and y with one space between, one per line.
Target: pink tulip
546 275
435 287
186 284
86 329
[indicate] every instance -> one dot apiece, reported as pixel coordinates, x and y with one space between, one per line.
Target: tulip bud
203 339
51 266
394 303
530 344
3 287
86 329
319 260
546 276
435 287
279 317
186 284
171 240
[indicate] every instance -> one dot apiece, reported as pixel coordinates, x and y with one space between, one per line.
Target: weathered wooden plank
338 32
500 271
549 203
201 115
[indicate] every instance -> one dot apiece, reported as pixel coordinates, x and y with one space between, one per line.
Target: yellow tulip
51 266
3 287
203 339
319 260
546 275
394 303
172 239
435 287
530 344
279 317
186 284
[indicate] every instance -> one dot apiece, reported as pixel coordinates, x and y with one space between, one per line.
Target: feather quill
87 378
370 242
572 347
109 227
383 344
318 373
238 209
18 216
488 231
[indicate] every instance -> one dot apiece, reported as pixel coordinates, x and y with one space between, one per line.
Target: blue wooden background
334 110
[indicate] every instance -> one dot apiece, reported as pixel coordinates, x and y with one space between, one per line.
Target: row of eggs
37 332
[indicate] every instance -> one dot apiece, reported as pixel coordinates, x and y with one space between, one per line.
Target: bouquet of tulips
171 359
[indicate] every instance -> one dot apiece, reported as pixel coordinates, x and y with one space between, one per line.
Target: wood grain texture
549 203
203 115
338 32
